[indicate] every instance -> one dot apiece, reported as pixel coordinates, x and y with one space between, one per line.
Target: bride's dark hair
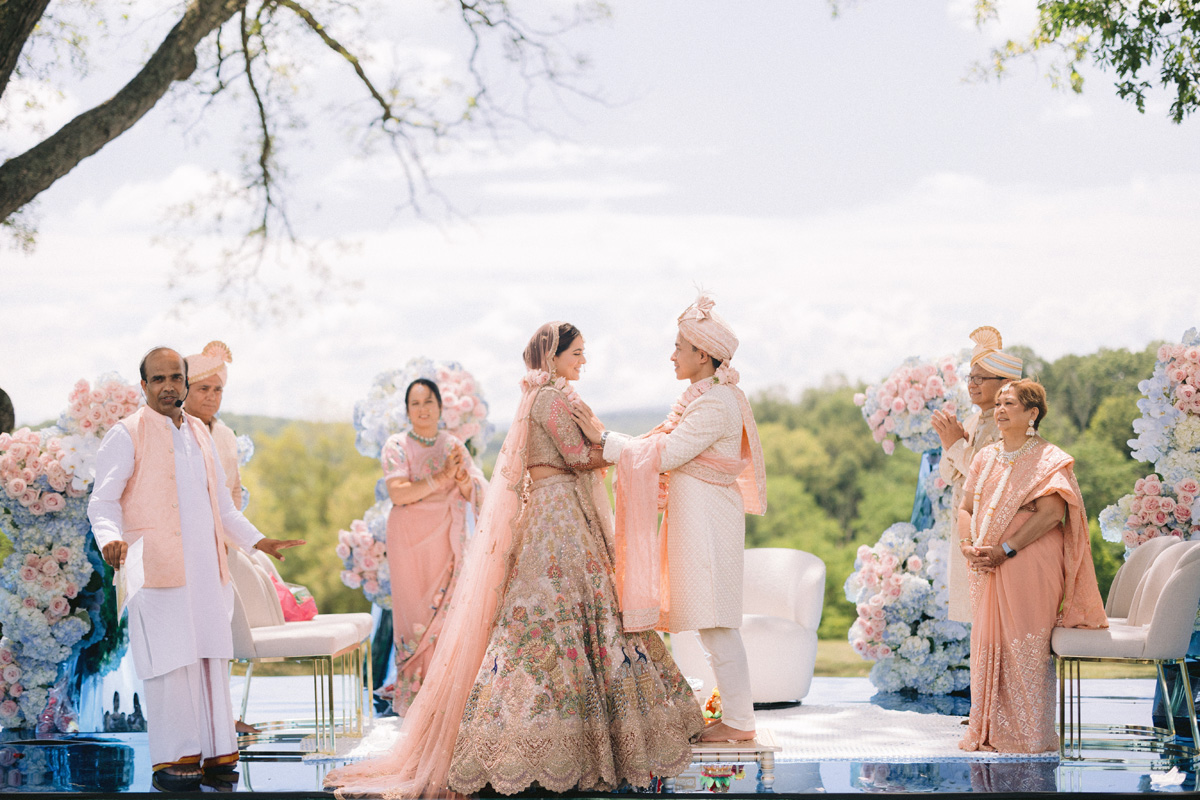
567 333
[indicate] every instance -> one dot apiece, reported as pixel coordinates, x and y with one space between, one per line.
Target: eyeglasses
976 380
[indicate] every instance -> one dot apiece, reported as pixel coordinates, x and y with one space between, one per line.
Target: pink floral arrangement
1182 364
1157 509
32 473
364 562
94 411
903 405
463 408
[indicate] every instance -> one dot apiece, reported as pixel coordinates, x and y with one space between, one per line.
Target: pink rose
878 434
1151 504
1153 488
33 560
351 579
1177 375
889 446
368 562
876 601
1135 521
8 708
889 424
71 591
884 651
1159 518
86 425
29 602
1188 486
860 646
860 399
49 566
343 551
53 502
371 587
1166 504
48 583
12 673
29 574
914 564
863 552
898 405
16 487
1185 499
6 656
62 555
863 610
59 606
16 690
1183 513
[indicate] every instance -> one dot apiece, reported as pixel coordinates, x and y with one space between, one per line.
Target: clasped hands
454 471
984 559
948 428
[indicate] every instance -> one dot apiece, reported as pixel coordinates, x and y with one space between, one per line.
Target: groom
710 450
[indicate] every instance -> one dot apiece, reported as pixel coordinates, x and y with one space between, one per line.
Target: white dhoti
189 716
727 658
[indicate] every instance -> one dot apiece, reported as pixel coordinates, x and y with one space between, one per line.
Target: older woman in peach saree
1024 533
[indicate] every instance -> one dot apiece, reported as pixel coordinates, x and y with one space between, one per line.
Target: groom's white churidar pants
727 657
189 713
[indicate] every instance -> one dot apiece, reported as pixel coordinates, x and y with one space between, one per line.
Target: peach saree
1015 607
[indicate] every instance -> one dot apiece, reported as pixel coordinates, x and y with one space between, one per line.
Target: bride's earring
1031 431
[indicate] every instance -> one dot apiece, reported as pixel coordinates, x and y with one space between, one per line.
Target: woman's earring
1031 431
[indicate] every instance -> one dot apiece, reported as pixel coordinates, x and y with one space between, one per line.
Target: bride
535 681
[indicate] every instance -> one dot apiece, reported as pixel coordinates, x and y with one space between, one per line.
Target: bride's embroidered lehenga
564 697
534 680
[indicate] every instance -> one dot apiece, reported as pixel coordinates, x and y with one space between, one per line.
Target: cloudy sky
847 196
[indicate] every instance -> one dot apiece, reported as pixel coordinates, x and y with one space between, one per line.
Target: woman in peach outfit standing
431 481
1024 533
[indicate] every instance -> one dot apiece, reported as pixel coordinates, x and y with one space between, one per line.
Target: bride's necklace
1007 458
417 437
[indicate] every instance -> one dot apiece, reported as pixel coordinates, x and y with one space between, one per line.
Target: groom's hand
587 422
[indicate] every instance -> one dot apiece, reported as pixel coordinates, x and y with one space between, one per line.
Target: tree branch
26 176
18 18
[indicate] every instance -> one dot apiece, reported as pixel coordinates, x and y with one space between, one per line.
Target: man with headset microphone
159 508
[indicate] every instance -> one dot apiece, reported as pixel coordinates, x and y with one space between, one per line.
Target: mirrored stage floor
119 763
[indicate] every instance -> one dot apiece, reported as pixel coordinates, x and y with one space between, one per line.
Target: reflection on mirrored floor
119 763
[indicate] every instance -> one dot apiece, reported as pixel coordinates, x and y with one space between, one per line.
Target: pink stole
643 583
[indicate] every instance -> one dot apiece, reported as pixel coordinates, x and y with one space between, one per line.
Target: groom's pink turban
705 330
210 361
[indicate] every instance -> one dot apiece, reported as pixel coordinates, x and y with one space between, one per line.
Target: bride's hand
587 423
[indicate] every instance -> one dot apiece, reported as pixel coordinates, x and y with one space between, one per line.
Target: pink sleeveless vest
150 502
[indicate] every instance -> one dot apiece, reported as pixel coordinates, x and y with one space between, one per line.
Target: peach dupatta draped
1050 583
643 583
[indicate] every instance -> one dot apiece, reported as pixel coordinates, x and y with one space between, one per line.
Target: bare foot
184 770
243 728
720 732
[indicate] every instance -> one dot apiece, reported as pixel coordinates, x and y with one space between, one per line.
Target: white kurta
706 521
955 464
174 627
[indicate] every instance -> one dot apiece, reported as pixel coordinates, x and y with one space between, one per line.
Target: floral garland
1168 436
725 375
52 596
363 547
903 405
383 413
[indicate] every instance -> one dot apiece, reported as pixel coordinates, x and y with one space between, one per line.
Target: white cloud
851 292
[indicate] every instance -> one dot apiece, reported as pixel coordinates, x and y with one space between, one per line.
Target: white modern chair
331 643
1125 582
783 594
1157 631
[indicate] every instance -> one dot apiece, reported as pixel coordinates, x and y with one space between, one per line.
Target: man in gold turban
991 368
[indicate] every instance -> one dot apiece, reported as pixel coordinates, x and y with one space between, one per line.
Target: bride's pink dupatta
419 764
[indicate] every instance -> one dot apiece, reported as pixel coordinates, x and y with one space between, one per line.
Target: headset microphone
179 404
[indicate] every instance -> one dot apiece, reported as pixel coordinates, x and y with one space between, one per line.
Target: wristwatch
603 438
1008 551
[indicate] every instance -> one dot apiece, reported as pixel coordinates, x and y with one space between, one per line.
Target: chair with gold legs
1157 631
